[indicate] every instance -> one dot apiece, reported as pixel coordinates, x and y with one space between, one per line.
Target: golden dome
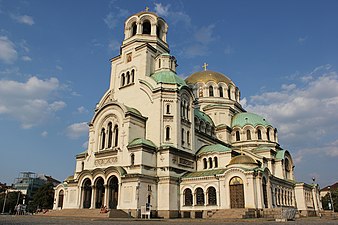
242 159
206 76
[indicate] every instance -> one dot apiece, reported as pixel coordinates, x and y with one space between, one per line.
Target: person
104 209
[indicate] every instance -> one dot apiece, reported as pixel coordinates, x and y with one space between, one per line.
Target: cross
147 8
205 66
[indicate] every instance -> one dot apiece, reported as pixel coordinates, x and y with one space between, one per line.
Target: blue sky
54 68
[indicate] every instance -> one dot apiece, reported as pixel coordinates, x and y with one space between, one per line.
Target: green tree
43 198
326 200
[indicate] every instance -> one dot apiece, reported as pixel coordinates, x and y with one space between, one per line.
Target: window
199 196
132 75
132 159
220 92
128 77
159 63
210 162
268 134
123 79
167 133
259 134
248 135
187 197
205 163
211 196
82 166
146 27
182 136
134 29
275 135
103 138
168 109
238 137
110 134
116 132
188 137
216 161
229 93
211 91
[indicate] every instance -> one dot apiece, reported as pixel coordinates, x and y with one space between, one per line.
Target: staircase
233 213
85 213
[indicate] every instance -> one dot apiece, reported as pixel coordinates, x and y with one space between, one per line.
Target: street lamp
3 207
331 198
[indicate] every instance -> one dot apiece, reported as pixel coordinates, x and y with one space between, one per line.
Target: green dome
213 148
168 77
242 119
202 116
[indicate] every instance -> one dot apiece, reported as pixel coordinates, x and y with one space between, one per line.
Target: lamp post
331 198
3 207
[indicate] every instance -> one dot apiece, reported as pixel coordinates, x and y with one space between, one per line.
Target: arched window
188 137
132 75
268 134
116 132
275 135
205 163
123 80
182 136
146 27
211 91
259 134
82 166
216 161
265 193
287 167
103 138
210 162
220 91
188 197
167 133
211 196
248 135
159 63
199 196
128 77
134 29
229 93
132 159
238 137
168 109
60 201
110 134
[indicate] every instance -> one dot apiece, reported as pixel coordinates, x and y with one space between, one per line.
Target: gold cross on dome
147 8
205 66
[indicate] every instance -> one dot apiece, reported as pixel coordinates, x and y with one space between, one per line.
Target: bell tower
145 38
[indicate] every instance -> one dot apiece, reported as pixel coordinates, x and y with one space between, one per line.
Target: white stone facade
181 146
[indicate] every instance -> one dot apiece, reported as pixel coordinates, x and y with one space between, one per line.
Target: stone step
233 213
90 213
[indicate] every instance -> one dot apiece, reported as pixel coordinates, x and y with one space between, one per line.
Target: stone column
93 197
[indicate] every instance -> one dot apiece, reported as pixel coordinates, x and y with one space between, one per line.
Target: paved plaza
41 220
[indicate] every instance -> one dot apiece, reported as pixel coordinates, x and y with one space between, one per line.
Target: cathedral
185 148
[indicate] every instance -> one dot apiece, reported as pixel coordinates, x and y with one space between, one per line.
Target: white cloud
44 134
31 102
228 50
113 18
77 130
24 19
114 45
306 115
82 109
205 34
161 10
8 54
301 40
26 58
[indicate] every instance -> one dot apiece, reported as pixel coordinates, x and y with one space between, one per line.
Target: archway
265 193
236 193
113 187
87 193
60 201
99 188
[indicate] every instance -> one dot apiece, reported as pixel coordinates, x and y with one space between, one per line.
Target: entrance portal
236 193
113 187
87 194
99 193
